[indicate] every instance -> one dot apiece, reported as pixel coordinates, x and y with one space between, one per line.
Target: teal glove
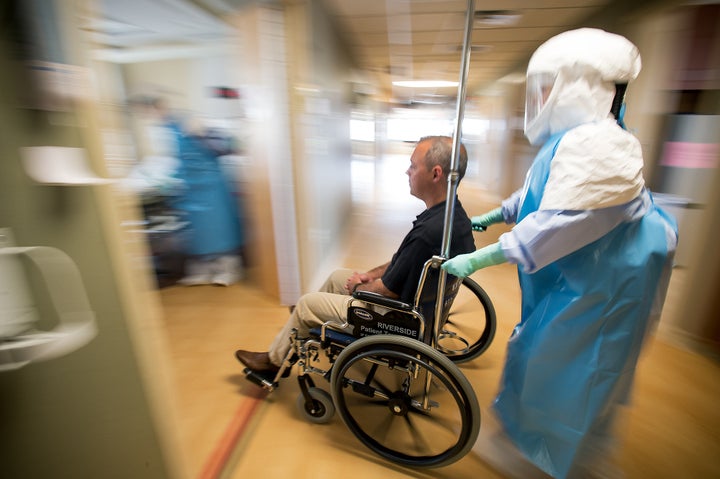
480 223
464 265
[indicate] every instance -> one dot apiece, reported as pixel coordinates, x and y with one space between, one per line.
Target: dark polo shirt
423 242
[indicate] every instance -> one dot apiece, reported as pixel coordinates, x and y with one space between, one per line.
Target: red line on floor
219 457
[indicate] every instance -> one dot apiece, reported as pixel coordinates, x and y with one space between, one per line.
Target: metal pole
454 175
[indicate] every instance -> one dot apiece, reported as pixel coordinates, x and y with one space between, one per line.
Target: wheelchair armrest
379 299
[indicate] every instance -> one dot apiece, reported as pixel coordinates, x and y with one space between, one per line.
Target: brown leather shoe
258 362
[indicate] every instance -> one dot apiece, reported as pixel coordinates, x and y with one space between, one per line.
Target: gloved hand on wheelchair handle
481 223
464 265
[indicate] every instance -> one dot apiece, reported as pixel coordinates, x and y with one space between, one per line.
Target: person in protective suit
593 252
208 203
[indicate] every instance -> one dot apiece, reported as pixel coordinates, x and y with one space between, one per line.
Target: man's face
421 177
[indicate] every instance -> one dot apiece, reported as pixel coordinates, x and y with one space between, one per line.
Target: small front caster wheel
320 410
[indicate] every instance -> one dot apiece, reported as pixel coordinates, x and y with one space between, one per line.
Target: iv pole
454 176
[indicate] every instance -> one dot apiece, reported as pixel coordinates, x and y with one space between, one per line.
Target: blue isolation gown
207 200
584 317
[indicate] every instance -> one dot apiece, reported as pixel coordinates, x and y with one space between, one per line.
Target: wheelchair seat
371 313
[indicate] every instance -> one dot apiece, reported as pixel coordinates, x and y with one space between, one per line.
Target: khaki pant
330 303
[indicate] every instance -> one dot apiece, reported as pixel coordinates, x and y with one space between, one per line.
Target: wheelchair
394 381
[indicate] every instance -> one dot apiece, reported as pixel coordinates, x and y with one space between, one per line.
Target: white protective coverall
593 255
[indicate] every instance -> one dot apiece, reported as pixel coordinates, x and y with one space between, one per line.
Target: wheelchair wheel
320 410
379 386
471 323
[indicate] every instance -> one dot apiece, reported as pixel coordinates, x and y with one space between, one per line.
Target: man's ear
437 172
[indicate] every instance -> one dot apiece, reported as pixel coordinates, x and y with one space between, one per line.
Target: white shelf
59 165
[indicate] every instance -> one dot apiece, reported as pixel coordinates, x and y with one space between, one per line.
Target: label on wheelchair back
367 322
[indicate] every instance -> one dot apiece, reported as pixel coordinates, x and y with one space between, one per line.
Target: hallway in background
230 429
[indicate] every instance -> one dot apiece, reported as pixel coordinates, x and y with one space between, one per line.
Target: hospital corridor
341 239
230 428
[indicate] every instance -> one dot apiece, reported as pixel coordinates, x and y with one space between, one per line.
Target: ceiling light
425 83
496 17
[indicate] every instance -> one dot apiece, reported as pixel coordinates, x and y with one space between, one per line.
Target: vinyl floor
229 428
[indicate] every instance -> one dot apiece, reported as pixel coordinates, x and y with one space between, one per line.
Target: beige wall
319 74
271 189
98 411
668 36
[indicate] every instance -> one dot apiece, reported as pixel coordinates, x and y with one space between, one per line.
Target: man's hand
356 279
373 285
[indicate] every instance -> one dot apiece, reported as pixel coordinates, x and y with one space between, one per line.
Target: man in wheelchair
398 279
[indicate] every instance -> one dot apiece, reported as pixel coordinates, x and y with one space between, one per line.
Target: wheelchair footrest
264 380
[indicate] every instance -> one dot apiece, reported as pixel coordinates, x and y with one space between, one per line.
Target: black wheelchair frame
391 382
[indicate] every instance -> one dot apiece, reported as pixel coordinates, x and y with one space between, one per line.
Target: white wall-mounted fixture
20 342
496 18
59 165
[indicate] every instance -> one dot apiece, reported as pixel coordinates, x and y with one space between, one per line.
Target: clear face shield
539 86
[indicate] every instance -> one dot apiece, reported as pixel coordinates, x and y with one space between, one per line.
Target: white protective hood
586 64
597 164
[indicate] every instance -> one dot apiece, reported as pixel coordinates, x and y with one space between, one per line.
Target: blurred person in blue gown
593 251
209 204
184 168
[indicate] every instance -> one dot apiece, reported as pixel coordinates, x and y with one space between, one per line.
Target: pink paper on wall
684 154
